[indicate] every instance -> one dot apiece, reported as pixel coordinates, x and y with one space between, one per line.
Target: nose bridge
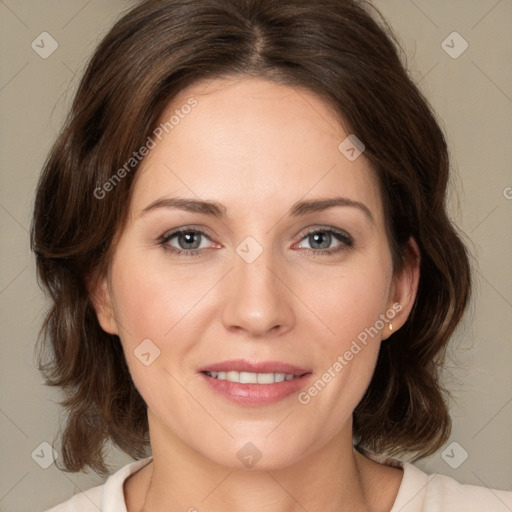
257 300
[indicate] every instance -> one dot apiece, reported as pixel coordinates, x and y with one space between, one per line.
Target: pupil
318 239
188 239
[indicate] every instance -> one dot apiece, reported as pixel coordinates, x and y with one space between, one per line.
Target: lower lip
256 394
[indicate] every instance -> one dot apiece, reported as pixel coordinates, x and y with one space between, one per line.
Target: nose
257 298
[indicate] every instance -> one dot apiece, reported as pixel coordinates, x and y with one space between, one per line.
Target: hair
344 52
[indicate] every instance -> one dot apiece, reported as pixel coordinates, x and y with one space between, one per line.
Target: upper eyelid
175 232
340 234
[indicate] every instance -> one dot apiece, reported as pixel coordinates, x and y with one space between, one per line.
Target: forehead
252 144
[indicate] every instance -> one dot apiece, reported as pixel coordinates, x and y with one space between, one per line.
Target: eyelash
341 236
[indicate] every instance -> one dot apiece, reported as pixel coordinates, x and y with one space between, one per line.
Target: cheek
350 302
150 300
148 313
349 307
157 309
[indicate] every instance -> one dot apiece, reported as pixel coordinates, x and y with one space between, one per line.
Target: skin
256 147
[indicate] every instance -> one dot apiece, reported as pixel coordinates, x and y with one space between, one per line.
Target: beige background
472 95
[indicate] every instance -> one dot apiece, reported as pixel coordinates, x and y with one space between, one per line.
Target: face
286 270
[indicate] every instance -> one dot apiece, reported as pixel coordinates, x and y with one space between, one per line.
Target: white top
418 492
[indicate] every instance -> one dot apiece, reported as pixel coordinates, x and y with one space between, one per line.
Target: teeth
251 378
246 378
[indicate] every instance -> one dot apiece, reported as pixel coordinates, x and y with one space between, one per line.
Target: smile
252 378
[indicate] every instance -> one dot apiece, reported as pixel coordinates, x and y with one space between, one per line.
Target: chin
257 454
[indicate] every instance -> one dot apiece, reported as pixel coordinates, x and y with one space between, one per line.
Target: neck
333 478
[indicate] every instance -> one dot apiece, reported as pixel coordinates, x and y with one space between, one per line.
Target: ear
101 299
404 287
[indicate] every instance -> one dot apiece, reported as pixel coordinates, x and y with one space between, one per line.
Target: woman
243 231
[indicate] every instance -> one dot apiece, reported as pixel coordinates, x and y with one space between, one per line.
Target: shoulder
446 492
423 492
108 497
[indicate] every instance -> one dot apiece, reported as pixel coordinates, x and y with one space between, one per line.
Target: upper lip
242 365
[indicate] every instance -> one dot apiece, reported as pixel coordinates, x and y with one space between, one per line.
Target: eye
192 242
320 241
189 241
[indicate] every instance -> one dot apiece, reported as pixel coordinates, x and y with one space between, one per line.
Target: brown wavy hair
344 52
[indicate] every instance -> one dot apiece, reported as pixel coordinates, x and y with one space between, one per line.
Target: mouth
253 378
251 372
255 383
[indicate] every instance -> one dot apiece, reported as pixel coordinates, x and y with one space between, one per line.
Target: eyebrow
218 210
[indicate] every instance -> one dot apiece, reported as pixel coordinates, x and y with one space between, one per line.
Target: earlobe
101 300
405 286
